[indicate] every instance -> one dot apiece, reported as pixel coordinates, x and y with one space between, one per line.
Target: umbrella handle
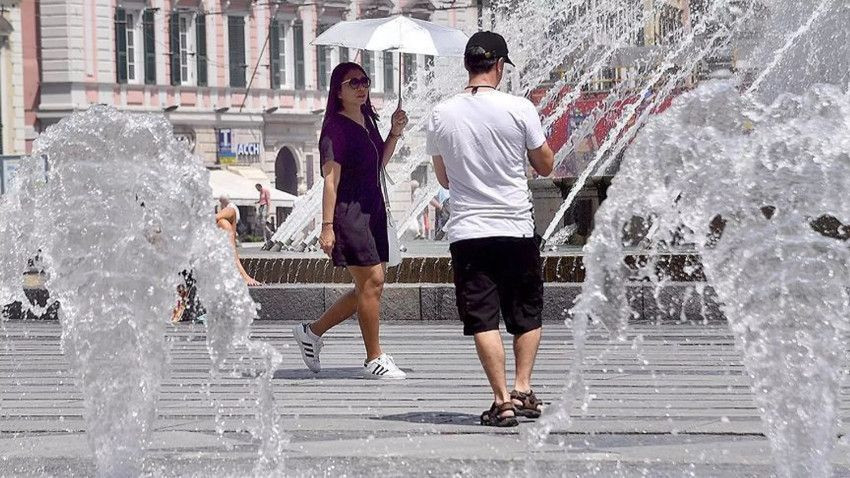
400 78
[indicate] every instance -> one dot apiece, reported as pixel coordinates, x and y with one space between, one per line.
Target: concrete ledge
676 303
673 303
302 302
438 302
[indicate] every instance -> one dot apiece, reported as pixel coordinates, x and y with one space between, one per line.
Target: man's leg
478 306
261 221
525 352
521 294
491 353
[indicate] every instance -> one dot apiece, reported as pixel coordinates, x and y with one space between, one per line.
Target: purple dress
360 216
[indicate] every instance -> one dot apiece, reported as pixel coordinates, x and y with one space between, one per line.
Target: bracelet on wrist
327 224
393 135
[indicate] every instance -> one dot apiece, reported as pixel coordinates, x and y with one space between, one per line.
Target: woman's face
355 89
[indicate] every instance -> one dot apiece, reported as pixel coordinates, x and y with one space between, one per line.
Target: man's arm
542 159
440 171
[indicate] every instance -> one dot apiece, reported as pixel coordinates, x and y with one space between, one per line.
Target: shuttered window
322 62
149 33
236 49
174 48
298 50
368 63
135 47
409 68
277 53
121 45
389 73
185 68
132 47
201 48
343 55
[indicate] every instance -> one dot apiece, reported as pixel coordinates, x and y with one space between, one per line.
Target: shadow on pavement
436 418
336 373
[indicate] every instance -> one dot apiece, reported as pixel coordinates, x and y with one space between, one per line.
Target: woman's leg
369 283
343 308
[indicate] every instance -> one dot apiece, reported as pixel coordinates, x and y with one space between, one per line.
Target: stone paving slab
679 404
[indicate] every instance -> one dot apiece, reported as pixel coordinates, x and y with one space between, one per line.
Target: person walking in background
354 218
227 218
263 210
442 211
480 140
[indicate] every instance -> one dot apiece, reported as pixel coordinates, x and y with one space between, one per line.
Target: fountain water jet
124 210
750 180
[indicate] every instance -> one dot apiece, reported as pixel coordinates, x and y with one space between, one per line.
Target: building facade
12 115
239 79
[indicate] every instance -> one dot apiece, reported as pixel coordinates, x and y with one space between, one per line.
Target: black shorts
498 273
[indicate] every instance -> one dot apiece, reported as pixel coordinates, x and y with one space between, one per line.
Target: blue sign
230 152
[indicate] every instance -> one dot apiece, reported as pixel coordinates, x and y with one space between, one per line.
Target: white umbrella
397 33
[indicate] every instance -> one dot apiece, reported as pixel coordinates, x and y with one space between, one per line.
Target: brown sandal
494 417
529 405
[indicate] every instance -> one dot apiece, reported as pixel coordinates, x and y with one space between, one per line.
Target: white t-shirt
484 141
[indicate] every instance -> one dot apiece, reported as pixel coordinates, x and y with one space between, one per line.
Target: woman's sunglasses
356 83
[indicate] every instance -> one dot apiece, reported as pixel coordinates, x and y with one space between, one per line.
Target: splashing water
572 50
123 210
757 183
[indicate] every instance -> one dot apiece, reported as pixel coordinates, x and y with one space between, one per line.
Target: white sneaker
310 345
383 367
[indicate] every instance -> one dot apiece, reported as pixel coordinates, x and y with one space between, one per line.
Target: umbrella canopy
397 33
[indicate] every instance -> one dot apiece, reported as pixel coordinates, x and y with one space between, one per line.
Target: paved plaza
676 405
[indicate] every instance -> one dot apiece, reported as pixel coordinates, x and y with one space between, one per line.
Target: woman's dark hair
334 103
477 61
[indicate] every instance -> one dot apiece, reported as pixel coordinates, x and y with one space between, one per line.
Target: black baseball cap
493 44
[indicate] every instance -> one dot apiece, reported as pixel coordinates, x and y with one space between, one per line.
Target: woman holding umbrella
354 215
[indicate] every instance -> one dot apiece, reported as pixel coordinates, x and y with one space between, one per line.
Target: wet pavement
678 404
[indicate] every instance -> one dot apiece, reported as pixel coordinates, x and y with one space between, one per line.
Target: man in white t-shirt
480 140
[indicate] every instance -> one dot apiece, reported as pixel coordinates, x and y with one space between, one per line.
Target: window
236 44
277 53
298 48
187 53
323 60
368 63
131 47
149 34
188 49
343 55
389 72
128 52
429 67
409 68
201 48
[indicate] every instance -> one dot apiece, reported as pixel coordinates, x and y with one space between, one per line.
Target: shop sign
238 147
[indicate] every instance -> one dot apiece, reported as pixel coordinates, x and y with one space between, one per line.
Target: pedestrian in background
263 210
